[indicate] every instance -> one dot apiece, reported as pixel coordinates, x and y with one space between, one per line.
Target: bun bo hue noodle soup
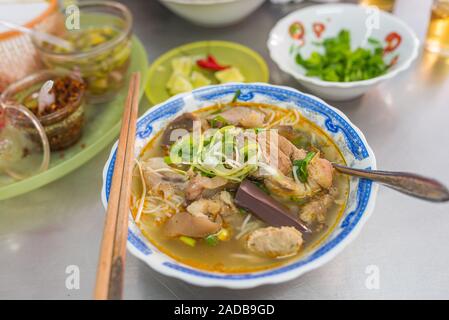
187 201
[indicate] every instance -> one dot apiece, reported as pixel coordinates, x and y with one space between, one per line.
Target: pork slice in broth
245 117
160 176
200 186
185 224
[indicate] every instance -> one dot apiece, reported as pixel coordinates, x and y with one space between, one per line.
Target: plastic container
62 127
103 66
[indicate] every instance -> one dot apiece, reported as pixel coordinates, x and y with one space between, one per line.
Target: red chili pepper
296 30
210 63
393 61
393 40
318 28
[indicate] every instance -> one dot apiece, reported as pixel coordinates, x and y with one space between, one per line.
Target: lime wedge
179 83
229 75
199 80
182 65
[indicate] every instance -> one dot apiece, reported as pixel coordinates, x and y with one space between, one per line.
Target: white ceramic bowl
349 139
362 23
213 13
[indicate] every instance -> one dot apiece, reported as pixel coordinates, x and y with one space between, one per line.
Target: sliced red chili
296 30
318 28
393 61
393 40
210 63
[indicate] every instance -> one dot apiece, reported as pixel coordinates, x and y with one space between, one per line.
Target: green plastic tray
102 126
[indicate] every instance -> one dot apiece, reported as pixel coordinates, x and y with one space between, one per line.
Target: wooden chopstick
111 265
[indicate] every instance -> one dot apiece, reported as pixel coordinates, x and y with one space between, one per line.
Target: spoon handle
40 35
408 183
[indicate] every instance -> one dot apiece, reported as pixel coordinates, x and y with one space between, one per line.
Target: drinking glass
386 5
438 32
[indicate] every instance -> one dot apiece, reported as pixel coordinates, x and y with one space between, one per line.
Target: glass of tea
385 5
438 32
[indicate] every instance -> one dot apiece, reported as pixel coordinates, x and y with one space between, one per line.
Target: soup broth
232 255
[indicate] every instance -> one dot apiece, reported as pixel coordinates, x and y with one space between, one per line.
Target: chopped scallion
188 241
211 240
301 166
236 95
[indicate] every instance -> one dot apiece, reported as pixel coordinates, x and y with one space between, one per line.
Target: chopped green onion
374 41
236 96
167 160
301 166
211 240
218 119
261 186
298 200
207 174
188 241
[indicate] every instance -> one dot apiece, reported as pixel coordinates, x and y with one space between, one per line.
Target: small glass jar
103 66
62 127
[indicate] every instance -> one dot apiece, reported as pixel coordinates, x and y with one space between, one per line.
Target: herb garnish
236 95
211 240
341 64
301 166
218 121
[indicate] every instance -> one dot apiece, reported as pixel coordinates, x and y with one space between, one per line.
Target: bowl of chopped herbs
341 51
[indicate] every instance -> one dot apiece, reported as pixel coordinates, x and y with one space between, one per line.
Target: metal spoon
408 183
42 36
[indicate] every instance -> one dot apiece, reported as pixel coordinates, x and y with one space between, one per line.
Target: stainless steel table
405 120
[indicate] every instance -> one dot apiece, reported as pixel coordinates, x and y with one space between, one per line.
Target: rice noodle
154 201
245 256
250 226
295 175
144 192
271 114
247 218
286 119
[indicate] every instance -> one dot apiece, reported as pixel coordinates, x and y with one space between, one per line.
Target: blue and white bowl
348 137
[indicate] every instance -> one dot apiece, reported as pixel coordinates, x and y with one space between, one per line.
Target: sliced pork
244 117
186 224
200 186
